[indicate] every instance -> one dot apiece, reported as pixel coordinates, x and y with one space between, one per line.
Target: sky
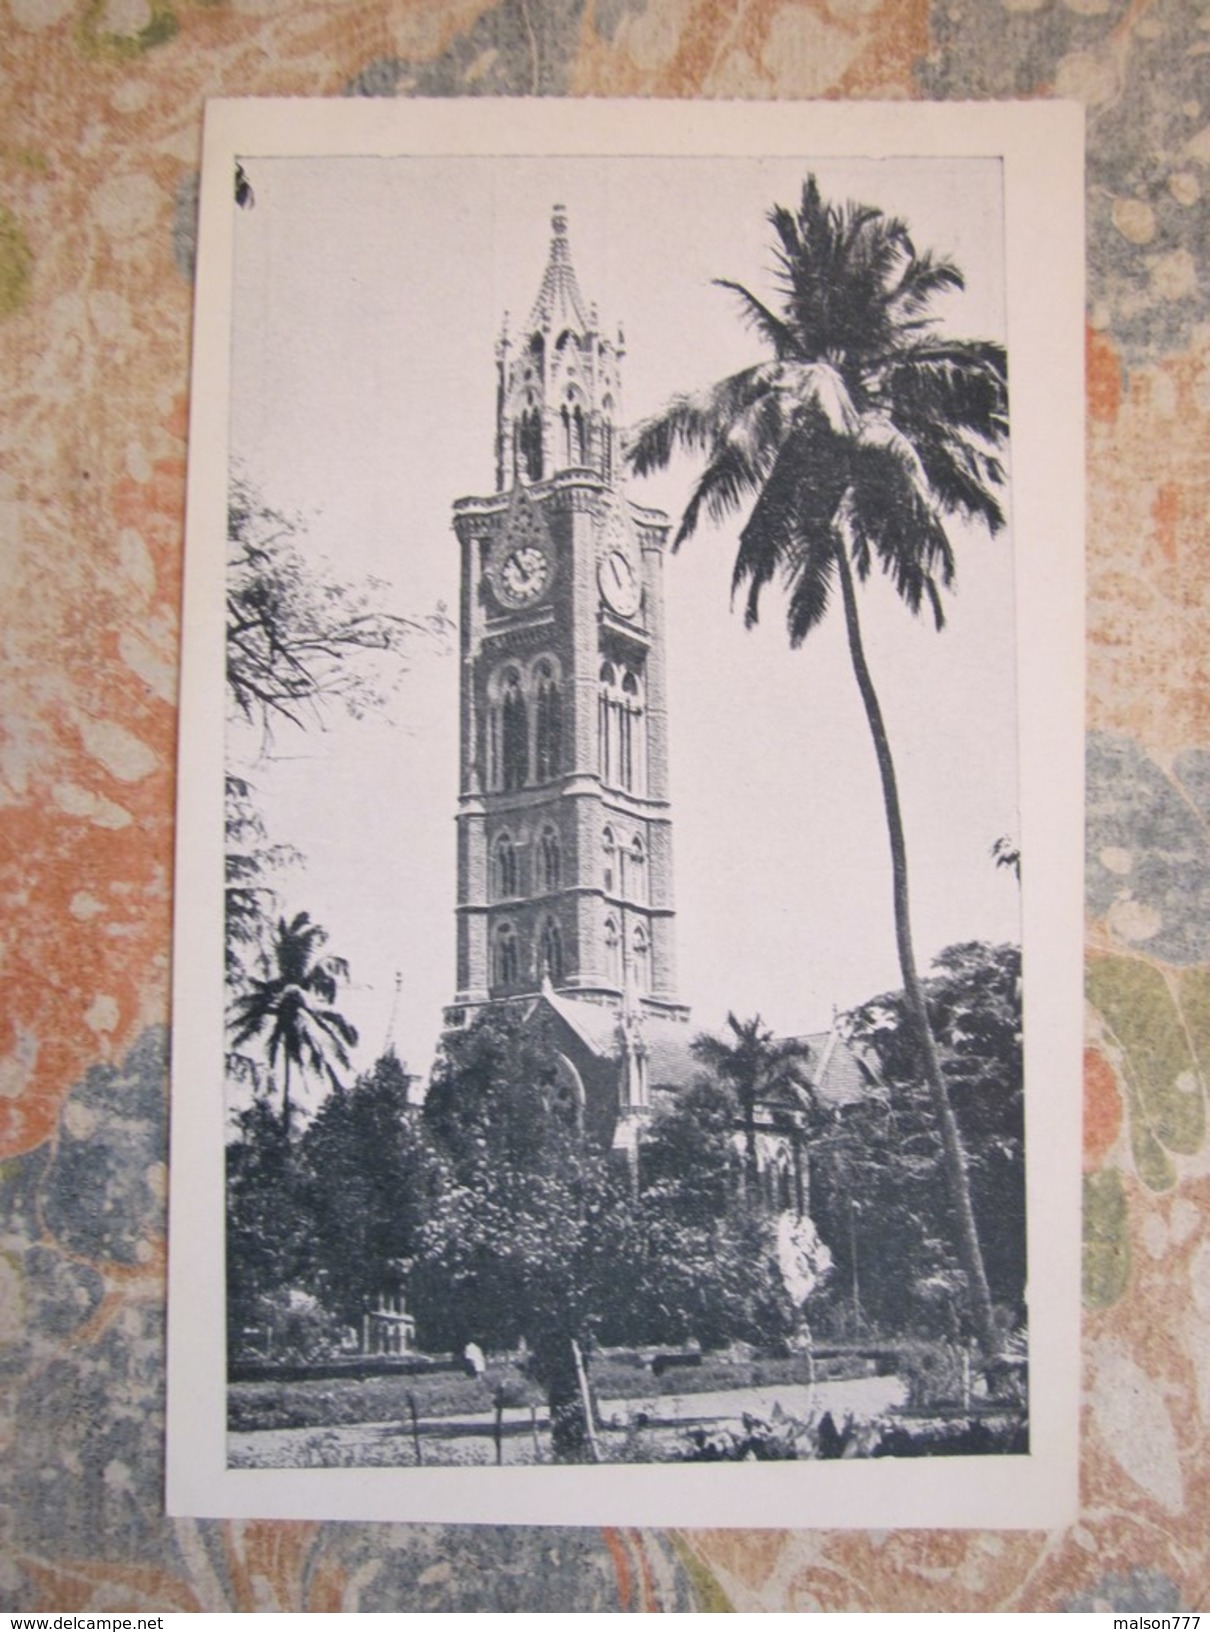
368 297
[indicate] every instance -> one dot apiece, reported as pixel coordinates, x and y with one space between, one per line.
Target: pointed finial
388 1042
559 303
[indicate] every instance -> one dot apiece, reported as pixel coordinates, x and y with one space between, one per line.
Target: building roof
841 1075
670 1063
559 304
595 1024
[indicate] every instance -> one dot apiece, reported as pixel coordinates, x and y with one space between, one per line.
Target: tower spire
558 385
560 304
388 1042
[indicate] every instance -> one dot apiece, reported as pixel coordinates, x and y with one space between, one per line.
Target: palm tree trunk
969 1250
285 1099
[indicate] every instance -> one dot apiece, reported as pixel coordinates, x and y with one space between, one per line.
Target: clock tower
564 827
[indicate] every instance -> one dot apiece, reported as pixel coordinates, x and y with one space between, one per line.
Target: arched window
505 961
567 1093
529 442
629 714
609 846
622 739
605 724
506 868
548 743
552 951
638 871
574 439
785 1186
549 860
514 734
640 949
613 952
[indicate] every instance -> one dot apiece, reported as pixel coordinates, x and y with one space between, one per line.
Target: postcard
627 997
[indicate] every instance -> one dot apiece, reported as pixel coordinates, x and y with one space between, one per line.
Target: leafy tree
298 644
292 1004
756 1066
707 1265
492 1091
875 1193
974 1003
299 641
268 1234
529 1254
529 1229
252 866
878 1205
859 440
538 1233
687 1162
369 1173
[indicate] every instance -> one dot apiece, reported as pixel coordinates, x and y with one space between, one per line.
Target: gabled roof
559 304
840 1074
670 1063
593 1023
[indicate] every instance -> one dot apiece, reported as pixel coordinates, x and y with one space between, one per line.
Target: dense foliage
510 1227
371 1176
877 1189
542 1236
268 1227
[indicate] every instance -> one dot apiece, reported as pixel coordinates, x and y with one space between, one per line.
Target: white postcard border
1041 147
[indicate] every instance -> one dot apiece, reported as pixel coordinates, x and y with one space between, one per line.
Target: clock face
617 574
523 563
619 583
524 574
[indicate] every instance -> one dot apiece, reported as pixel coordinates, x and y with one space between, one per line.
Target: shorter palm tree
757 1067
293 1006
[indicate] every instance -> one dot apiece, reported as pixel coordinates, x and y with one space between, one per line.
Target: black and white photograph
618 1046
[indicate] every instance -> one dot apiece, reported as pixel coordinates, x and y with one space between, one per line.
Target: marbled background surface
99 141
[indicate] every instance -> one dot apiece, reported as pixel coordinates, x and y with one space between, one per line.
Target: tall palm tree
856 442
292 1004
756 1065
